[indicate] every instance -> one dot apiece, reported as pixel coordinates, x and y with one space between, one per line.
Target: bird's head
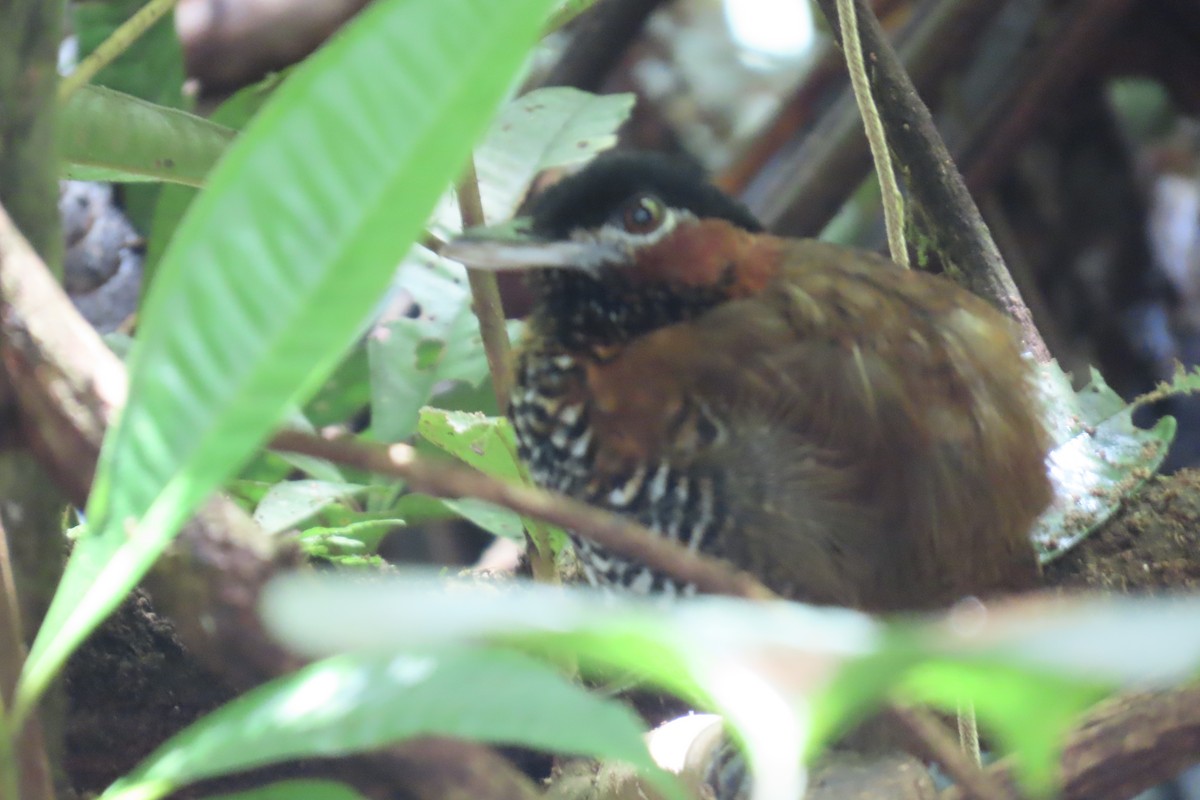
631 243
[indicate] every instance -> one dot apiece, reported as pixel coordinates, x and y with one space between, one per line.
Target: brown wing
876 425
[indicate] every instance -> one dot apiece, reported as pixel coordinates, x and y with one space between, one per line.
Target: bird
850 432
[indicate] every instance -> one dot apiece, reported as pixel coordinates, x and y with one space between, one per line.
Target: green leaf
552 127
175 199
1027 713
489 445
704 650
1099 458
110 136
270 275
289 503
318 468
493 519
546 128
345 394
1026 665
151 68
410 357
486 443
295 790
367 700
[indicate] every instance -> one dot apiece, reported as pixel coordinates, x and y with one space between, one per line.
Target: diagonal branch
67 386
611 531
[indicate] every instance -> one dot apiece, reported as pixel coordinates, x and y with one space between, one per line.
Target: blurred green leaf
175 199
267 281
489 445
296 790
493 519
345 394
105 135
544 129
1029 714
364 701
785 675
150 69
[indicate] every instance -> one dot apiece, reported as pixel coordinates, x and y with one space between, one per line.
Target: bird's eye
643 214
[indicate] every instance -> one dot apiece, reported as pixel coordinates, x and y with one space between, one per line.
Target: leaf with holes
1098 459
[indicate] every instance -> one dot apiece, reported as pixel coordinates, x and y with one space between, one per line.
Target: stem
893 200
24 767
928 733
485 295
611 531
112 47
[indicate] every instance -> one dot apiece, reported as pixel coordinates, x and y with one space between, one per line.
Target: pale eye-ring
643 214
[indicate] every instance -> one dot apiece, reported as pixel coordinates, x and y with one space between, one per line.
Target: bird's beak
513 245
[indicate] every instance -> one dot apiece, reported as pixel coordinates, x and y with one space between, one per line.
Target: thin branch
893 200
813 161
1124 746
112 47
67 386
485 295
613 532
937 745
934 184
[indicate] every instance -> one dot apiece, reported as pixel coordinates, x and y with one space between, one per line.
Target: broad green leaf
552 127
706 650
546 128
364 701
289 503
175 199
296 790
106 135
1098 459
1027 664
410 356
270 275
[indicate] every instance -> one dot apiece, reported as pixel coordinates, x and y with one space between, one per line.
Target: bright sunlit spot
773 29
326 692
